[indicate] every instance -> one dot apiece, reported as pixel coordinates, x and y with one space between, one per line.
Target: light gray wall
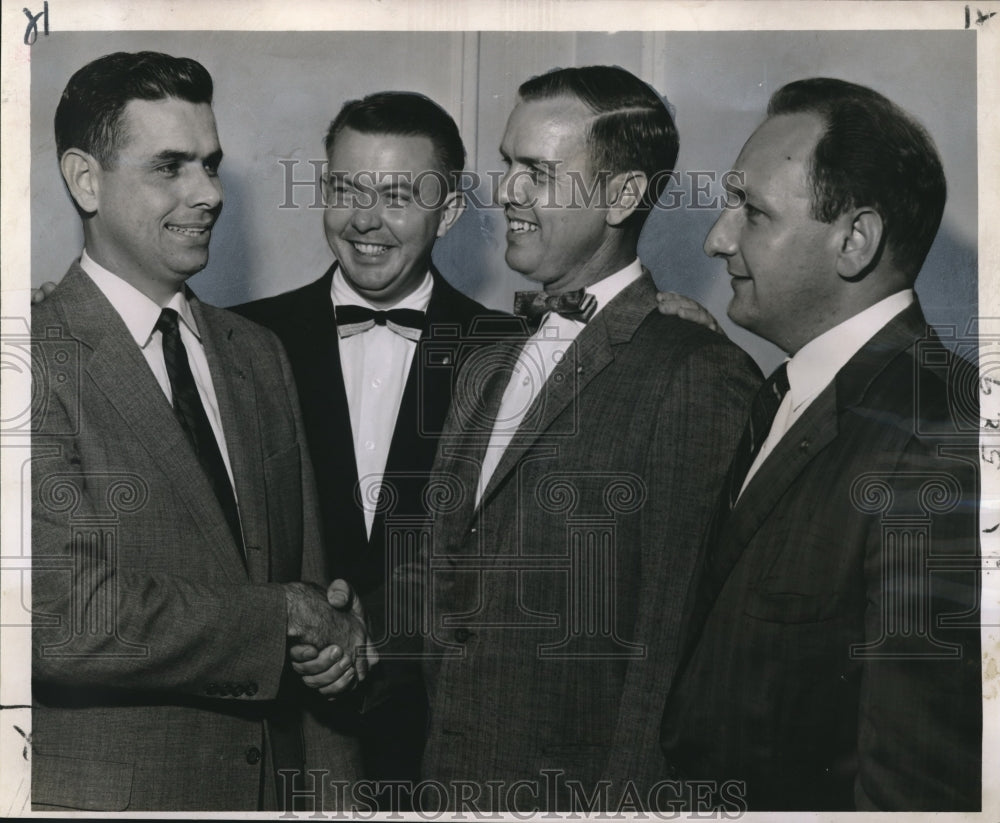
276 93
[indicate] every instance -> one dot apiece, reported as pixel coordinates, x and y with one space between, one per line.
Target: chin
526 268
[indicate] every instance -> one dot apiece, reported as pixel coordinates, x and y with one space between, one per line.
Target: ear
625 192
454 205
861 242
82 174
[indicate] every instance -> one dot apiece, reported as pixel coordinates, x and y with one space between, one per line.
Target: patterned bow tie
534 305
351 320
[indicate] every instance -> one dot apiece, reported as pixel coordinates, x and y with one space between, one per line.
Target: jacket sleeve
98 622
920 712
699 421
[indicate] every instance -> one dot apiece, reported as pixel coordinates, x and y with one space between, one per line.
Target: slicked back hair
89 116
872 154
404 114
632 128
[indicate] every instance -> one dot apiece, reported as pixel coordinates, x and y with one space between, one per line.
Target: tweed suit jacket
157 652
556 602
838 665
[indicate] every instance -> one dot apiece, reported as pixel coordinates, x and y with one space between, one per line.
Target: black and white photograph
500 410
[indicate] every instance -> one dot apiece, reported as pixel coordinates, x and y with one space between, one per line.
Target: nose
206 190
367 215
721 239
507 187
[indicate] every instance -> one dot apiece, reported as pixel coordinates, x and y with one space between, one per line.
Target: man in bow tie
173 507
372 402
833 660
585 462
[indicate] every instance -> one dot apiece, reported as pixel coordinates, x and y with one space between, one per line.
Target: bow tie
351 320
534 305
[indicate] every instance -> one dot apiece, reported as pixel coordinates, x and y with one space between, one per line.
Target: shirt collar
138 311
608 288
816 364
343 293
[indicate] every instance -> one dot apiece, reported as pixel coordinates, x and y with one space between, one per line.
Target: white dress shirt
541 353
375 364
815 365
141 315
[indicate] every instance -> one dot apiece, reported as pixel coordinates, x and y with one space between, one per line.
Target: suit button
237 689
253 755
212 688
251 689
473 530
462 634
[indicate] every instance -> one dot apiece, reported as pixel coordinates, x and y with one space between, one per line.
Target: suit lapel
811 434
590 353
815 430
121 373
235 392
476 401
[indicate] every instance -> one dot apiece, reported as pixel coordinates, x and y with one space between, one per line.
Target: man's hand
329 670
43 291
325 666
669 302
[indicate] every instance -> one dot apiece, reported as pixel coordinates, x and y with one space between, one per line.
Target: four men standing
582 561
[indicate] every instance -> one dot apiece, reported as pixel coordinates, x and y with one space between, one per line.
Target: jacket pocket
74 783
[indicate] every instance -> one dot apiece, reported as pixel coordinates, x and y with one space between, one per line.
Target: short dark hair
633 129
404 114
872 154
89 115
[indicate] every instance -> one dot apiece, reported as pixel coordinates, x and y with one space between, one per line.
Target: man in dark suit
372 400
833 660
581 463
173 507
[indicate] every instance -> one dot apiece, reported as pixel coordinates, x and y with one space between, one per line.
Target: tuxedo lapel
118 369
315 355
422 410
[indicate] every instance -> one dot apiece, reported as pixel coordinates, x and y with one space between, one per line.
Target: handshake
331 648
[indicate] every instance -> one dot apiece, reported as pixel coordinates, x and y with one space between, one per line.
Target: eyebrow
538 162
382 181
174 156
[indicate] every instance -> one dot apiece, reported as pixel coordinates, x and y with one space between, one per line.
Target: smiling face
385 207
783 262
553 236
155 207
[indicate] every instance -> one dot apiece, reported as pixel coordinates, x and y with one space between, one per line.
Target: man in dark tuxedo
583 462
173 507
360 342
832 662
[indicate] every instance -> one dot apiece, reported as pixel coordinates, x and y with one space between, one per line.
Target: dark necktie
351 320
534 305
763 408
717 560
191 415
